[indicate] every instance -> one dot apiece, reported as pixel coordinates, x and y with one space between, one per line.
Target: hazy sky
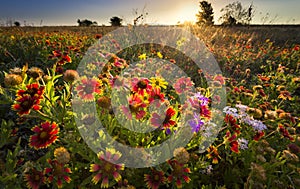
66 12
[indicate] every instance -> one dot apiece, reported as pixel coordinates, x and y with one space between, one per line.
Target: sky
66 12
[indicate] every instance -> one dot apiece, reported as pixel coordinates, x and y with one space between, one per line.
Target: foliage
257 146
86 22
235 14
116 21
206 14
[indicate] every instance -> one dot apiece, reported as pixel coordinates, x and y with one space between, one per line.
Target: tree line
232 14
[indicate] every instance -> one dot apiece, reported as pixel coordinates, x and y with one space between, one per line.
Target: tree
86 23
17 24
116 21
235 14
206 14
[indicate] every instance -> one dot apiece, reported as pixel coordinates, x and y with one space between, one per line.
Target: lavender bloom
256 124
196 123
243 143
203 100
231 111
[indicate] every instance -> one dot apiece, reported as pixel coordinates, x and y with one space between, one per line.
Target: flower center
43 135
89 89
37 177
108 167
142 84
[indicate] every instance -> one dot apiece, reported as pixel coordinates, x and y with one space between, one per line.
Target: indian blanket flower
231 139
285 132
88 87
285 95
28 99
35 72
58 172
136 107
34 90
183 84
155 179
258 135
24 104
163 120
156 97
141 86
34 178
158 82
45 134
179 172
213 154
107 167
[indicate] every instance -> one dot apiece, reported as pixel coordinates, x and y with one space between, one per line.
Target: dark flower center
89 89
142 84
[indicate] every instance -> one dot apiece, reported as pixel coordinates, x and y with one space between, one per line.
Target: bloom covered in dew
179 172
45 135
183 84
58 172
34 178
88 87
154 179
107 167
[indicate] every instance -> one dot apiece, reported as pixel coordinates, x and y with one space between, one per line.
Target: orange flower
214 154
285 95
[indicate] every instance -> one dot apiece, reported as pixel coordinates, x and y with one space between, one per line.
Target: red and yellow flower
179 172
88 87
45 135
154 179
214 154
57 172
107 167
34 178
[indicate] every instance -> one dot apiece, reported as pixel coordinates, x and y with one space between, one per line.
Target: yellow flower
143 56
12 37
159 55
158 82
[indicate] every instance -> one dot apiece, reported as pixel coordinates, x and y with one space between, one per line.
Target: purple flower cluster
241 114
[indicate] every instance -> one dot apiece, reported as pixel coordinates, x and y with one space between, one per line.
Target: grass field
248 114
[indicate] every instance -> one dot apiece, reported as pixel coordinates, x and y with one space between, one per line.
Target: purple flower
243 143
196 123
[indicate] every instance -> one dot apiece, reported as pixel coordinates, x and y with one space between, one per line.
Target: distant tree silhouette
206 14
86 22
235 14
17 24
116 21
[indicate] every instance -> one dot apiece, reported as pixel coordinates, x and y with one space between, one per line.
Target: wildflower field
65 122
